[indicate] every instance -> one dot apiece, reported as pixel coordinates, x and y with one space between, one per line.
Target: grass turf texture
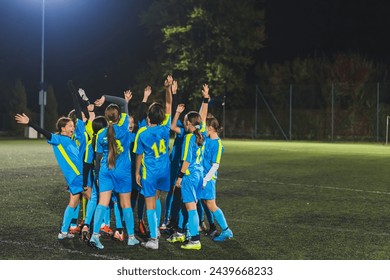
283 201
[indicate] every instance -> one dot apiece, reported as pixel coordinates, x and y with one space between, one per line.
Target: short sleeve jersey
122 137
212 154
193 153
68 157
153 143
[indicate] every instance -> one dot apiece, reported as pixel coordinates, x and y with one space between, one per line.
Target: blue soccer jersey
153 143
119 177
193 153
68 157
212 154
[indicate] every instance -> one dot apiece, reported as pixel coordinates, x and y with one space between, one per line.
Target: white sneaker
151 244
64 235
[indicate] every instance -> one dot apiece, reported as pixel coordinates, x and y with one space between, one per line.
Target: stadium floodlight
42 92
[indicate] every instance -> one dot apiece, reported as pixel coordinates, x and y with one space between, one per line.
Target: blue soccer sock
158 212
129 220
100 212
168 205
193 220
152 221
68 214
91 206
118 213
220 218
75 216
107 217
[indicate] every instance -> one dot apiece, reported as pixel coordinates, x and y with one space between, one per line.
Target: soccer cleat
106 230
177 237
163 226
85 233
226 234
211 233
95 242
74 229
151 244
192 245
132 240
142 228
119 236
65 235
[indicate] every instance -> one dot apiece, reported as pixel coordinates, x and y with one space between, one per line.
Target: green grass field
283 201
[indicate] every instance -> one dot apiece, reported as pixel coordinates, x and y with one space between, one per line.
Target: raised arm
121 102
24 119
143 107
180 108
168 94
205 104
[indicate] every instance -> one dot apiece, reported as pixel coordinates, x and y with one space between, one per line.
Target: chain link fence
330 112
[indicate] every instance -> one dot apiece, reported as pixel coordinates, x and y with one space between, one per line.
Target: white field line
311 227
39 246
304 185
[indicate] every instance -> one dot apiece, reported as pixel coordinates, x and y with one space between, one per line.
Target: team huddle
119 161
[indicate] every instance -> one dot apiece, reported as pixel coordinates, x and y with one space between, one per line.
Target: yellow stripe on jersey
202 127
186 145
67 159
219 154
137 136
166 119
143 169
87 150
122 119
89 129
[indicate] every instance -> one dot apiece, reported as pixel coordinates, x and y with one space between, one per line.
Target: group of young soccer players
106 161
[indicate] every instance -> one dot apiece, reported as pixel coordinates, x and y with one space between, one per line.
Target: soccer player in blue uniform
113 165
211 160
151 149
69 160
89 178
191 172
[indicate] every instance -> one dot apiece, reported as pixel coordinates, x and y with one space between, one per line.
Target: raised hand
22 118
205 91
168 81
128 95
174 87
180 108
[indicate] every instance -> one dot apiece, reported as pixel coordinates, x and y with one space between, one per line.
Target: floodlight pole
42 92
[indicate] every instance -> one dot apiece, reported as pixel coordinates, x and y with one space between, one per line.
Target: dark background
101 45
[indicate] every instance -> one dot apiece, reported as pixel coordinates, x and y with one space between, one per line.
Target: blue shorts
191 187
209 192
114 180
153 183
76 186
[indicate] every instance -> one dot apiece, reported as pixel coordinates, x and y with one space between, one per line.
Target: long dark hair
195 119
97 124
112 115
214 123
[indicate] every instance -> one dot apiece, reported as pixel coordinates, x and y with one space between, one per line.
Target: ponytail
112 149
112 115
199 137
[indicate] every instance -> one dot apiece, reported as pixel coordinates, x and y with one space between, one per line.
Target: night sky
85 39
